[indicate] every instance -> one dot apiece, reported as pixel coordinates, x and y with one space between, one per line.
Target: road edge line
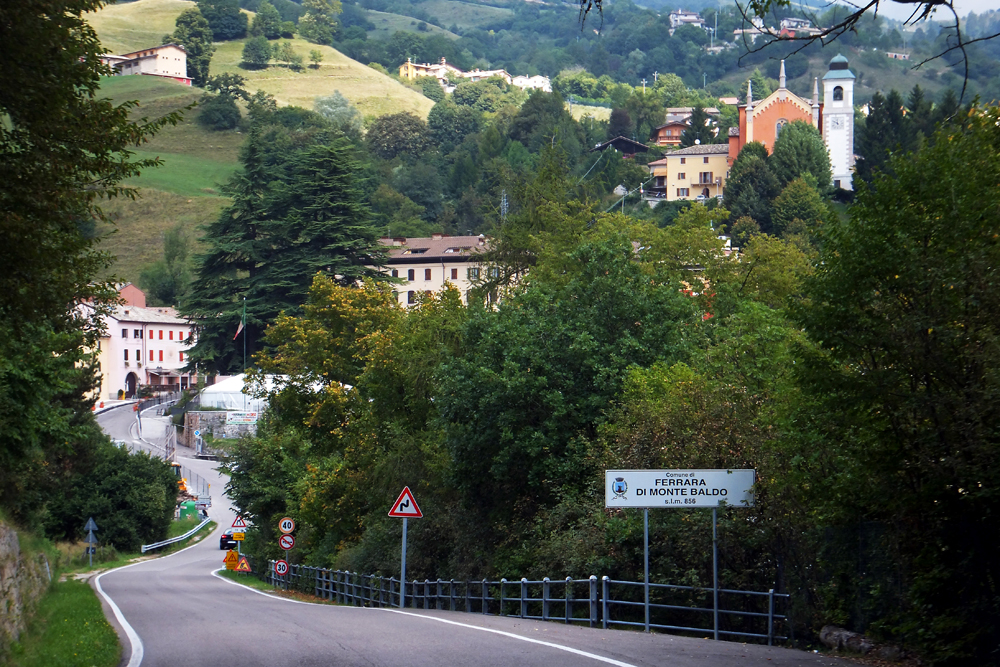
137 650
560 647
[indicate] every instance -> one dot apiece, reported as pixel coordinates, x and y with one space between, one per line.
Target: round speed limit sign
286 525
281 567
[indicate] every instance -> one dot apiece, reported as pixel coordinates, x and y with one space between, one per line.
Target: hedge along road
179 613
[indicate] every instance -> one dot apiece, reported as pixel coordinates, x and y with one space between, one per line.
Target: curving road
174 611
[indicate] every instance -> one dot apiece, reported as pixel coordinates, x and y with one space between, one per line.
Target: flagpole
244 354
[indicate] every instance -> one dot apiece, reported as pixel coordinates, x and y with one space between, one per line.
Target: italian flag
243 320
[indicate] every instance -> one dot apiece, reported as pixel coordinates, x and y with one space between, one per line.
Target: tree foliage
195 35
904 311
799 150
225 19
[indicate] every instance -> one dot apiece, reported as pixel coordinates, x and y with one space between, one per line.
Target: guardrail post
524 598
482 607
593 600
770 617
381 590
427 595
415 584
569 599
605 589
503 582
545 598
451 595
438 593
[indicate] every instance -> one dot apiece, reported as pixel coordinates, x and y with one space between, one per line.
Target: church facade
834 117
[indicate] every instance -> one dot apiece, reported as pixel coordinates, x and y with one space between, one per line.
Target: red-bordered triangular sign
239 523
244 565
405 506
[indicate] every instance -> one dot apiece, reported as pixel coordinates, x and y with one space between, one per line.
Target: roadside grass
136 239
387 24
251 581
466 14
75 559
68 629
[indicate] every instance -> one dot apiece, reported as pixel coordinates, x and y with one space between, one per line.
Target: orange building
762 121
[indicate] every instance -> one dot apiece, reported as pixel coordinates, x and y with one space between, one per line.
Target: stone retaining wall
23 580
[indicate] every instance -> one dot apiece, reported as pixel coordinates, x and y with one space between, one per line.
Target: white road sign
678 488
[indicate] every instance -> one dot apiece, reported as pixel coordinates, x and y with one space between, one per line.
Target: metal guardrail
605 602
172 540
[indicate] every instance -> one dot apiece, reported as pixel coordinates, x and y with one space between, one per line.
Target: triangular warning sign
405 506
231 558
243 566
239 523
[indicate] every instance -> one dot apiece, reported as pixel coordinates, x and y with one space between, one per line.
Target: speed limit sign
281 567
286 525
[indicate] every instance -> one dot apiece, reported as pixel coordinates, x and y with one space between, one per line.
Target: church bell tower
838 121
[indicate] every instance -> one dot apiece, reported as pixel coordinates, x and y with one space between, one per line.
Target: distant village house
449 76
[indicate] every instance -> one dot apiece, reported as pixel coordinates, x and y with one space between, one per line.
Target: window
150 355
136 333
681 176
494 272
395 273
411 297
126 355
778 127
838 94
124 333
138 355
454 274
683 160
161 355
409 276
683 192
427 274
705 177
705 160
171 335
473 273
180 356
161 334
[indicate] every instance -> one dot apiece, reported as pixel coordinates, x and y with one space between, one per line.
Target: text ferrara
690 488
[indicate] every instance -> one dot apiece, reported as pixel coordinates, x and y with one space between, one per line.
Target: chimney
399 240
437 236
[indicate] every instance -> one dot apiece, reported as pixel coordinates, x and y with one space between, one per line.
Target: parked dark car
226 541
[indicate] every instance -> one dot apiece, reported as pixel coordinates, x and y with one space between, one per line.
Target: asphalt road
174 611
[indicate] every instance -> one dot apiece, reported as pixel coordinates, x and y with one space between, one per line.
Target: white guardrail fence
172 540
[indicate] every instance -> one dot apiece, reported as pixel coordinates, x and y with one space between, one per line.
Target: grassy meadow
386 24
465 14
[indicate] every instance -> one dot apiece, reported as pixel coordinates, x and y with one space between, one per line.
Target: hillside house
428 265
693 173
168 61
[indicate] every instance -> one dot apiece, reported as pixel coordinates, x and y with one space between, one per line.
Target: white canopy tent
228 394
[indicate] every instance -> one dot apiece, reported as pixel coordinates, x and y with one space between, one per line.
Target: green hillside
135 25
183 191
465 14
388 24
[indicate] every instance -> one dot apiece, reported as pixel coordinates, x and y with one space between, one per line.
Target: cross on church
655 75
643 86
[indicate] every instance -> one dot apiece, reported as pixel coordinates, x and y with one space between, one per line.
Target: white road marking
133 637
559 647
